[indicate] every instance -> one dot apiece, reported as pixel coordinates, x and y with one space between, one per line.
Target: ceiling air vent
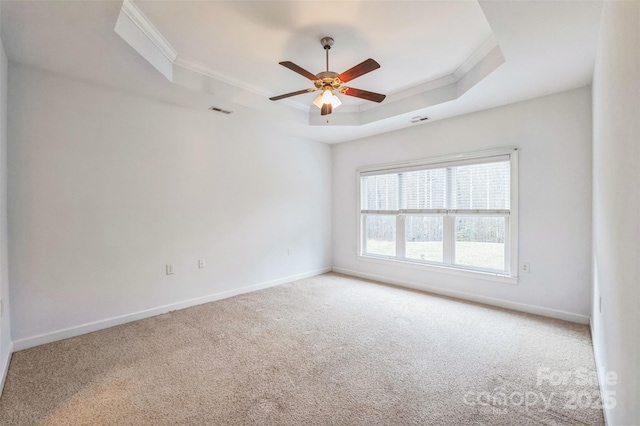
419 119
220 110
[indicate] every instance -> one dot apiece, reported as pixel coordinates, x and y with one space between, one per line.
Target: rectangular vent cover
220 110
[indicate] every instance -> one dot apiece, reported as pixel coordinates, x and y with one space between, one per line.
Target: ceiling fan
328 81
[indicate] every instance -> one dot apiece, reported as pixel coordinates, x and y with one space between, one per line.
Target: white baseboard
5 367
66 333
599 370
522 307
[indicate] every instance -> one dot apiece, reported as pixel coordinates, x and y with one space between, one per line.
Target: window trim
502 154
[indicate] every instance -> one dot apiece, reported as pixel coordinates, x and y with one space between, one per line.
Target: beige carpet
328 350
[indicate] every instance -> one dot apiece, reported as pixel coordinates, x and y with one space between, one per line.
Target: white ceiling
546 46
246 40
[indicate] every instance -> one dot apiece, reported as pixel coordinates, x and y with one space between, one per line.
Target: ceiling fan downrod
327 42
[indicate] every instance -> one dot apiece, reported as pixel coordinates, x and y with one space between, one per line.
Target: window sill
478 275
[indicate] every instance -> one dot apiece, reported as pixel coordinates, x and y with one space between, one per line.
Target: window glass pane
423 238
424 189
379 192
463 197
380 231
481 186
480 242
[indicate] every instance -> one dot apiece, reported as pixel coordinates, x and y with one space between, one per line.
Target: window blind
473 188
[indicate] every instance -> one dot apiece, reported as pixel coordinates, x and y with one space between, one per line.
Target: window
456 212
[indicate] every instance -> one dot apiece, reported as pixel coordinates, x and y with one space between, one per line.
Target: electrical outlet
289 251
170 270
201 263
525 268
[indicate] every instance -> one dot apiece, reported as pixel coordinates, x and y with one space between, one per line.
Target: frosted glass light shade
318 101
333 100
326 96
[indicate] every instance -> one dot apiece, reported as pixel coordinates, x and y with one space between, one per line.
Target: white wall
616 203
106 188
5 331
553 134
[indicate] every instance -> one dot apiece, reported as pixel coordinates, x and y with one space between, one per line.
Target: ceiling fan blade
287 95
360 69
295 68
326 109
363 94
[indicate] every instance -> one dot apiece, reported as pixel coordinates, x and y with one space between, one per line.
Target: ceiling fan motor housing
327 79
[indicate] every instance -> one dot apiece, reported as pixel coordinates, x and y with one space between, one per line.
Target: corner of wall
6 347
615 319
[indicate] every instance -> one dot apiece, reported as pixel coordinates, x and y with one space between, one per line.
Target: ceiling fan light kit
327 97
328 81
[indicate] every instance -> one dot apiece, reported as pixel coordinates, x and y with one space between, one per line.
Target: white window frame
511 215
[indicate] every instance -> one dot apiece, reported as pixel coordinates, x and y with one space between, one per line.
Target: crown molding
427 86
148 29
208 72
477 56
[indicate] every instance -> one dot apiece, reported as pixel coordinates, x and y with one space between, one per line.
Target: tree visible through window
454 213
